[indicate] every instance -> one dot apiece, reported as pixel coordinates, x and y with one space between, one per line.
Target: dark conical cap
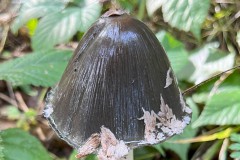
119 77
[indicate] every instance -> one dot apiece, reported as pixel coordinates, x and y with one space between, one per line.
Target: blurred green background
201 38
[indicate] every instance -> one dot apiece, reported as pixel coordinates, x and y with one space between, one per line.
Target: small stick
8 99
189 90
40 102
219 82
10 91
22 104
222 153
4 36
40 134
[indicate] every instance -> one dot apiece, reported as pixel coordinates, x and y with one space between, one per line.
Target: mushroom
118 91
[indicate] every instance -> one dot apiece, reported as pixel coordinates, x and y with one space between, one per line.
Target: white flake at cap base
162 125
90 146
150 126
47 111
111 148
169 80
185 108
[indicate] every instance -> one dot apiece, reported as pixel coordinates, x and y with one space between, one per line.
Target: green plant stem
42 95
141 10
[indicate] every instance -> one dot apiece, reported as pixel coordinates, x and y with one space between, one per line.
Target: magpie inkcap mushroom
118 91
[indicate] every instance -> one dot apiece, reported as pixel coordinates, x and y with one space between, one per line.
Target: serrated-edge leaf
205 68
37 68
223 108
186 15
56 28
20 140
175 51
235 137
235 155
199 56
35 9
13 113
61 26
89 13
235 146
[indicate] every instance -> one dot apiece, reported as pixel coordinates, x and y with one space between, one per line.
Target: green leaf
91 157
35 9
175 51
37 68
200 97
168 41
223 108
235 155
186 15
27 89
211 151
208 61
72 156
13 113
235 137
235 146
160 149
16 144
182 149
202 93
61 26
145 153
30 114
128 5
